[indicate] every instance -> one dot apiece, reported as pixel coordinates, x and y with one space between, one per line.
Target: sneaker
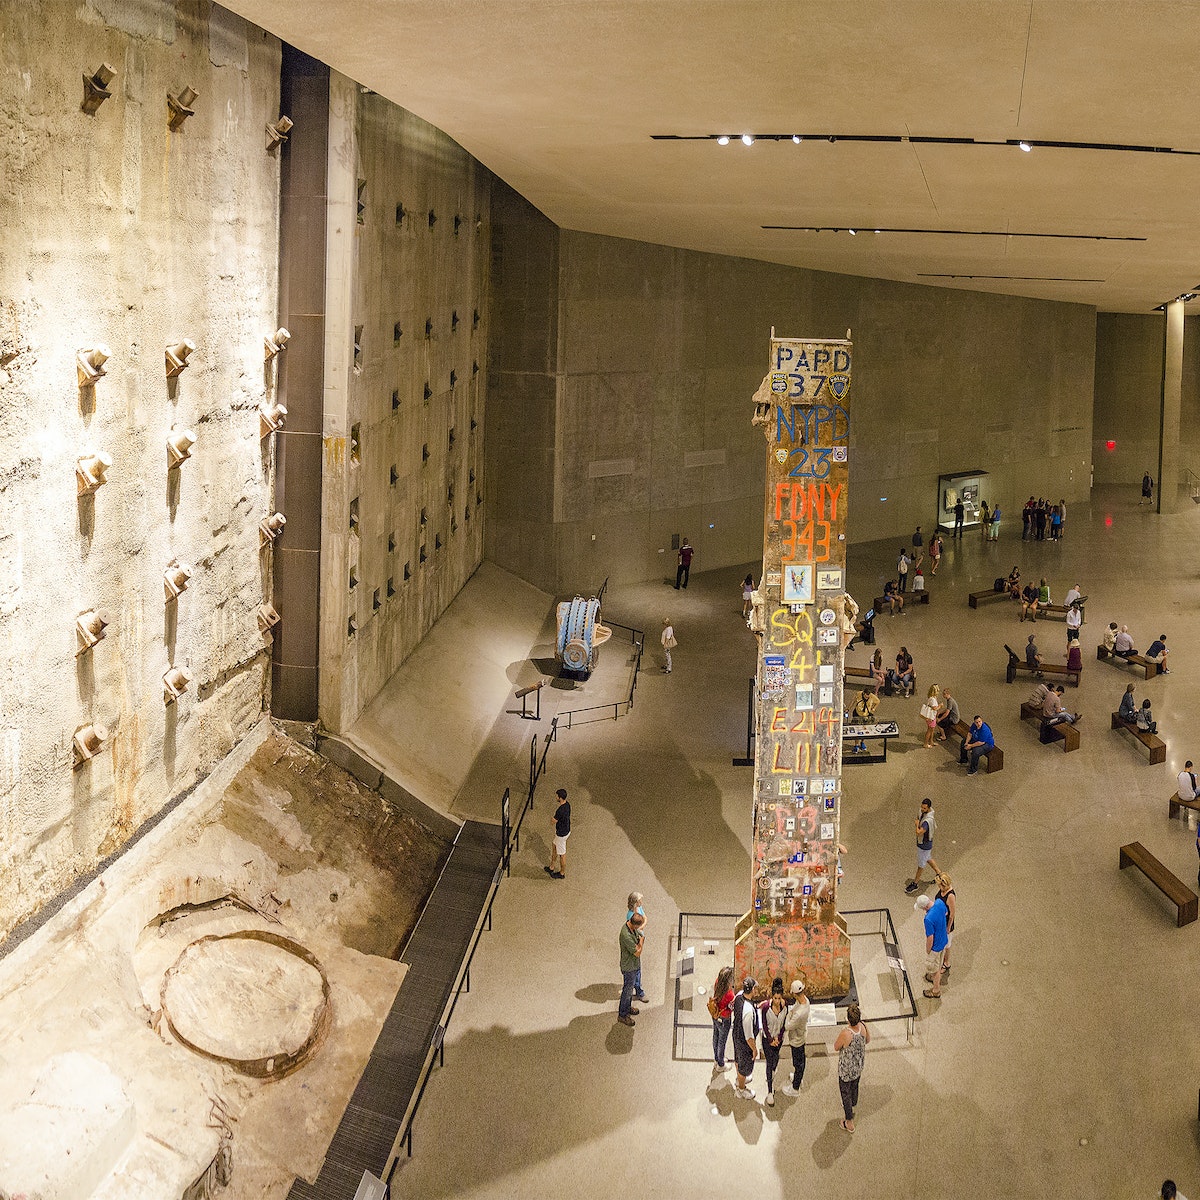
549 871
945 970
642 998
910 886
627 1020
770 1099
974 772
744 1093
557 875
635 1012
1164 670
791 1091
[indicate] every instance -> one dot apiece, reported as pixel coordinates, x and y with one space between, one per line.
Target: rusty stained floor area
305 852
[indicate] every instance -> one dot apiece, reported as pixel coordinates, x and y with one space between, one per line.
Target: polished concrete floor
1063 1058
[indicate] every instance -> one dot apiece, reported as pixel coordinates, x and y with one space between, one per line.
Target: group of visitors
1118 641
1040 517
780 1020
1141 716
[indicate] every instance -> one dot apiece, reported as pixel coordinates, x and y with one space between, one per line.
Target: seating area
1176 807
1138 661
909 598
994 757
1063 732
1016 663
1171 886
975 599
1153 743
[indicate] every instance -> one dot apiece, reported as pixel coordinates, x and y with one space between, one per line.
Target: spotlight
747 139
877 231
796 138
723 140
1025 146
852 232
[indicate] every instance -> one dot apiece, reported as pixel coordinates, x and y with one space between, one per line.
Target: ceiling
562 99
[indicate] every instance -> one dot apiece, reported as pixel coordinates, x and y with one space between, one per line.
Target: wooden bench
1149 666
921 597
1062 731
975 599
1175 806
1060 610
995 756
1156 746
1016 664
1175 890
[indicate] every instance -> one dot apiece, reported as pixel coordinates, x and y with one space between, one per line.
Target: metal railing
614 708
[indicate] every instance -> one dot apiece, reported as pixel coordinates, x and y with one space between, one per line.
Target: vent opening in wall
362 201
432 218
453 524
353 578
475 319
454 321
393 475
396 400
474 368
471 476
453 379
356 442
351 627
437 541
392 542
391 587
467 513
457 224
397 332
424 517
429 327
474 425
478 499
401 213
428 390
424 454
450 495
422 555
358 344
408 570
376 601
354 515
451 442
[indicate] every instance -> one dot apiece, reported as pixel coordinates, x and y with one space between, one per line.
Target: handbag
928 711
714 1009
671 643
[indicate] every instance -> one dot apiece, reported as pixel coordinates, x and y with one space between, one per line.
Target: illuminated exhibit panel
793 927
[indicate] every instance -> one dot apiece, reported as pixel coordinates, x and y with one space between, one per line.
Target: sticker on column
804 697
827 831
828 616
840 454
827 637
829 579
825 695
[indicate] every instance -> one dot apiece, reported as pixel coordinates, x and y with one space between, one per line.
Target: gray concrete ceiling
561 98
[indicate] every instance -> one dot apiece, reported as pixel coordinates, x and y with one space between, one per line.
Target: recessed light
1025 146
796 138
747 139
852 232
723 140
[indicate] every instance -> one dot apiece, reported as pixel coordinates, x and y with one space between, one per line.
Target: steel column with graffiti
793 926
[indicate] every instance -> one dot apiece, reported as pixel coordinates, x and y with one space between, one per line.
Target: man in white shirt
1187 782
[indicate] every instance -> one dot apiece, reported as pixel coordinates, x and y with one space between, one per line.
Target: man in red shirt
685 565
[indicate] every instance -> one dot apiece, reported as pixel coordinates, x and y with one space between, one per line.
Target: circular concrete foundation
252 999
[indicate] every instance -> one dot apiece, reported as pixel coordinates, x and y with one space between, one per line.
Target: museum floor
1062 1059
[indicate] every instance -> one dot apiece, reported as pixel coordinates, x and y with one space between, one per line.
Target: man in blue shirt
1158 653
936 940
979 742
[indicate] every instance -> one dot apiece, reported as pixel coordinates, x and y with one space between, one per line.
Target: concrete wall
660 350
407 254
1129 364
114 230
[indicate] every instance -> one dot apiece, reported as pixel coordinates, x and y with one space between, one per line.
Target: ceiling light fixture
796 138
747 139
1025 146
723 140
852 232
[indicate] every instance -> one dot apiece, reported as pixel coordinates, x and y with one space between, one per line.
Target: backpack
999 585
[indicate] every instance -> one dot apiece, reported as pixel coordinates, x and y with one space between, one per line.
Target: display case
966 486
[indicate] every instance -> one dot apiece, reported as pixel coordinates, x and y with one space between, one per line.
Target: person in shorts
925 824
562 830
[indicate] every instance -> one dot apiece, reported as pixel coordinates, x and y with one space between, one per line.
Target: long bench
975 599
995 756
1148 665
1062 731
1175 806
921 597
1175 890
1156 746
1016 664
1060 610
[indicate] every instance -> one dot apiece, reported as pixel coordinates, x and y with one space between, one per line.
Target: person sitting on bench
1128 709
1110 636
1043 591
1074 594
1158 653
1145 718
1123 643
1032 656
948 715
1029 602
1053 712
978 743
877 668
1189 789
1014 583
1038 698
892 598
902 677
